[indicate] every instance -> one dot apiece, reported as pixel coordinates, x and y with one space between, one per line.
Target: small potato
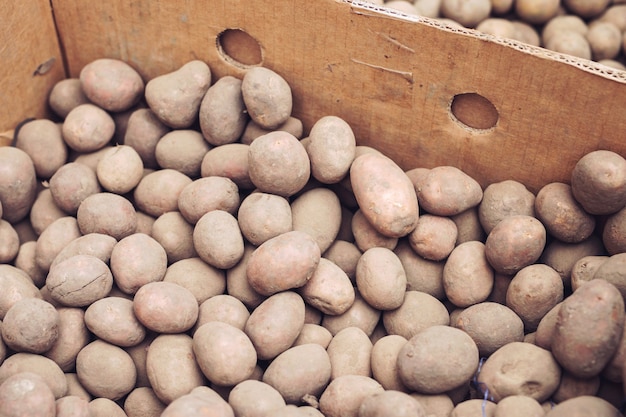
331 150
30 325
467 13
520 368
446 191
563 23
391 402
561 214
71 184
517 241
267 97
202 401
218 240
237 283
570 43
345 255
18 183
88 128
182 150
73 336
490 325
27 394
329 289
262 216
473 407
605 40
318 213
251 398
536 12
385 194
75 389
137 260
437 359
614 233
526 33
171 367
223 116
105 370
79 281
275 324
344 395
350 352
599 182
205 194
104 407
366 236
53 239
165 307
25 260
175 97
44 211
381 279
384 362
468 226
43 134
612 270
95 244
585 405
418 312
111 84
571 387
503 199
421 274
143 402
15 285
313 333
584 269
108 214
498 27
143 132
120 169
300 372
467 276
562 256
72 405
545 329
278 164
253 130
112 319
518 406
10 242
229 161
202 279
158 192
533 291
434 237
37 364
586 9
284 262
65 95
360 314
224 308
436 405
175 234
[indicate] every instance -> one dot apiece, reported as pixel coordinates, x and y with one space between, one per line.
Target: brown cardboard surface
392 77
31 61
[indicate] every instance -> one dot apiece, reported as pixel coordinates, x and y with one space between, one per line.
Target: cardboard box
392 77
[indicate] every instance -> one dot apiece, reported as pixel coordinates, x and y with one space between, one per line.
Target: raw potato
332 149
612 271
120 169
421 274
200 402
73 336
366 236
44 211
503 199
318 213
143 402
520 368
218 240
25 260
79 281
437 359
418 312
391 210
614 233
43 134
37 364
267 97
137 260
262 216
536 11
224 308
111 84
571 387
562 256
104 407
72 405
586 9
384 358
345 255
605 40
53 239
105 370
313 333
474 407
599 182
389 403
65 95
467 13
434 237
175 234
175 97
237 283
497 27
18 183
229 161
223 116
206 194
10 242
165 307
88 128
252 398
202 279
31 325
360 314
71 184
468 277
584 269
95 244
343 396
570 43
143 132
381 279
329 289
300 372
350 352
15 285
108 214
158 191
585 405
27 394
518 406
446 191
182 150
112 319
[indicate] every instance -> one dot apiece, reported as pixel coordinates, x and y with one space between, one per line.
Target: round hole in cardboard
239 48
474 111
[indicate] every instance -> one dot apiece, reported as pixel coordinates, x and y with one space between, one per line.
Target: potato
224 308
275 324
38 134
27 394
584 269
206 194
563 23
107 213
434 237
165 307
384 362
111 84
15 285
545 328
182 150
360 314
158 191
586 338
112 319
278 164
490 325
175 97
518 406
520 368
143 132
25 260
503 199
331 150
229 161
72 405
73 335
418 311
218 240
224 353
71 184
88 128
313 333
391 402
253 130
44 211
143 402
533 291
583 406
104 407
79 281
586 9
137 260
237 283
563 256
436 405
517 241
467 13
467 276
223 116
267 97
498 27
283 262
175 234
391 210
526 33
251 398
381 279
37 364
65 95
605 40
10 245
350 353
571 387
421 274
201 402
171 367
318 213
30 325
614 232
366 236
120 169
262 216
598 182
536 12
345 255
202 279
18 183
75 389
437 359
570 43
53 239
95 244
344 395
472 407
329 289
612 271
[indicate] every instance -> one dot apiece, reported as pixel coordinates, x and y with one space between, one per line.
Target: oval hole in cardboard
474 111
239 48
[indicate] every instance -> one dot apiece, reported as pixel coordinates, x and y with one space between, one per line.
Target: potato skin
201 402
79 281
112 319
262 216
317 212
165 307
418 311
446 191
329 289
222 112
332 149
503 199
208 193
344 395
107 213
38 134
350 352
267 97
229 161
27 394
218 240
37 364
30 325
252 398
18 183
599 182
88 128
381 279
467 276
106 370
111 84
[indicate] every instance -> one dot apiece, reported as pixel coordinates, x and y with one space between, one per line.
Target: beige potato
111 84
65 95
612 271
53 239
434 237
143 402
202 279
79 281
95 244
165 307
562 256
251 398
27 394
105 370
471 407
25 260
571 387
467 13
586 9
498 27
437 405
467 275
175 97
88 128
158 191
583 406
229 161
253 130
175 234
38 134
218 240
75 389
201 402
345 255
73 336
329 289
584 269
360 314
71 184
267 97
366 236
262 216
421 274
318 213
15 285
391 402
206 194
120 169
344 395
112 319
37 364
30 325
107 213
182 150
104 407
598 182
350 352
563 23
18 183
72 405
384 362
418 312
605 40
44 211
332 149
536 12
136 260
526 33
224 308
503 199
143 132
518 406
313 333
381 279
139 355
468 226
10 242
223 116
237 283
614 233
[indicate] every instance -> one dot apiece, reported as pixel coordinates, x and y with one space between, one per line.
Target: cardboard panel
31 62
392 77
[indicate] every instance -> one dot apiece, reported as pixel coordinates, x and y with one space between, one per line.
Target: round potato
79 281
344 395
446 191
120 169
562 256
360 314
421 274
111 84
165 307
175 234
237 283
599 182
434 237
18 183
252 398
143 132
37 364
15 285
571 387
30 325
350 352
107 213
73 336
203 280
313 333
218 240
224 308
518 406
223 116
44 211
612 271
366 236
141 402
112 319
65 95
384 362
207 194
71 184
137 260
391 402
10 242
158 191
182 150
332 149
38 134
614 233
503 199
584 405
104 407
267 97
88 128
53 239
467 276
262 216
318 213
253 130
418 311
201 402
27 394
228 161
329 289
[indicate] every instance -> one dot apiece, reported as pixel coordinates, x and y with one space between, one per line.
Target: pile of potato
179 248
589 29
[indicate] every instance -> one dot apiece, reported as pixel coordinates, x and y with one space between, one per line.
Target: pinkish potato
237 283
381 279
9 242
165 307
182 150
446 191
421 274
349 353
318 213
223 116
18 183
384 358
391 402
562 256
503 199
175 234
344 395
345 255
434 237
143 402
599 182
224 308
41 134
26 394
229 161
44 211
88 128
79 281
418 312
73 336
113 320
37 364
95 244
120 169
15 285
360 314
267 97
143 132
208 193
158 192
253 130
65 95
71 184
329 289
218 240
111 84
108 214
252 398
467 276
262 216
614 233
202 401
25 260
313 333
53 239
332 149
366 236
30 325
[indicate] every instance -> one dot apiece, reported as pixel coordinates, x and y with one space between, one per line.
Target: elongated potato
329 289
332 149
222 112
446 191
467 276
381 279
318 213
